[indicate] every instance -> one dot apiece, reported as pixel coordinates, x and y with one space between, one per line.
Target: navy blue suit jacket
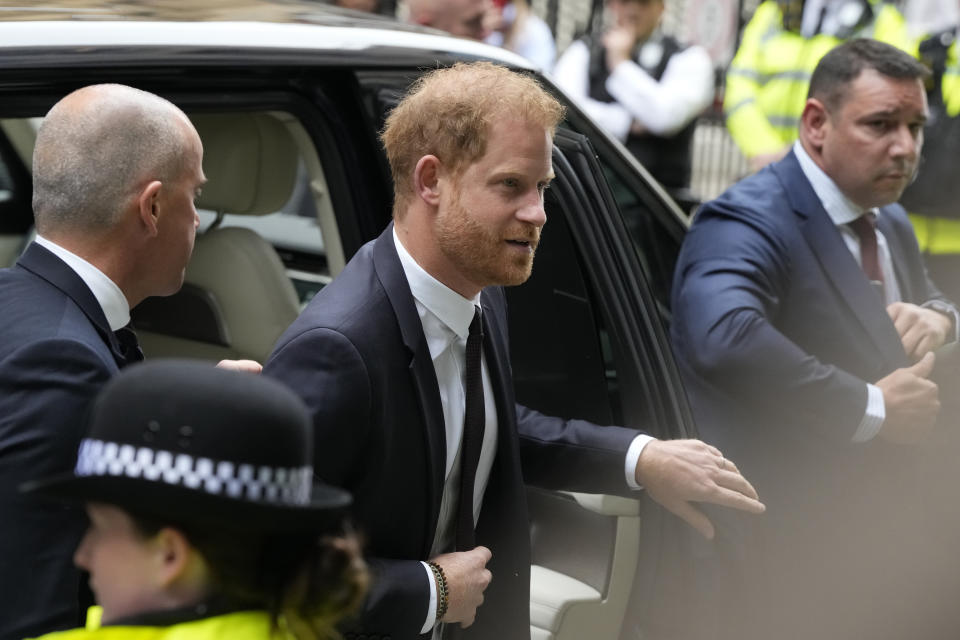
359 358
56 352
776 327
777 332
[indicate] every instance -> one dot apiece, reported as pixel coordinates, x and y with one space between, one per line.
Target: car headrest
250 160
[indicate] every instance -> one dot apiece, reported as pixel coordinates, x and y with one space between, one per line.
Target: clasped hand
921 330
467 578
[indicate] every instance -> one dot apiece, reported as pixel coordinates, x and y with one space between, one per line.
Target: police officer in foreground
204 517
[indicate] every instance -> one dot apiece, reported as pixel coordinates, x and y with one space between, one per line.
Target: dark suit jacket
777 332
359 358
56 351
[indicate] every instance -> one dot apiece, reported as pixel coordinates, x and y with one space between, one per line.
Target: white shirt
108 294
663 108
446 316
830 17
534 41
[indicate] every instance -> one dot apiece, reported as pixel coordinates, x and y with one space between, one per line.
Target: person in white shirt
516 28
643 86
403 361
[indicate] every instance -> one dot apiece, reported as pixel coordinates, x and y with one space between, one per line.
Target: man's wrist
873 416
949 313
430 620
632 462
443 594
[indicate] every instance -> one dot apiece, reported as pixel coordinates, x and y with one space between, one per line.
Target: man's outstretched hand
677 473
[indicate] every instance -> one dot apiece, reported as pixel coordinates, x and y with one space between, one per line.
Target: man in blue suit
804 324
403 360
115 173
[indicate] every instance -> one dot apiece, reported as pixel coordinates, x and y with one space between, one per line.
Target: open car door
588 340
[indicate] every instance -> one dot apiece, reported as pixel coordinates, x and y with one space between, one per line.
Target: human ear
426 179
172 554
813 121
148 206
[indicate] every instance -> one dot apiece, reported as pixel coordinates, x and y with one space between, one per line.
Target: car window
6 183
653 227
556 307
295 229
16 215
656 246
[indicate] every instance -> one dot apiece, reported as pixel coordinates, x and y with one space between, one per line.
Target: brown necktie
866 229
473 426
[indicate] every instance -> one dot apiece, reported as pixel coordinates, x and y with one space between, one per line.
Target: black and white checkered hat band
290 486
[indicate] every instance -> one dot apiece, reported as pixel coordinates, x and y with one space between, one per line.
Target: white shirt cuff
432 607
633 457
874 416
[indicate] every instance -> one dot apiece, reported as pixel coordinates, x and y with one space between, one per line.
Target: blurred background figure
515 28
197 533
462 18
783 42
643 86
933 199
370 6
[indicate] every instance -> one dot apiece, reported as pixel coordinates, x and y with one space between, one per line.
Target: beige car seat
237 298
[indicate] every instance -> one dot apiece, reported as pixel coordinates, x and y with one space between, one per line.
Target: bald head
463 18
95 151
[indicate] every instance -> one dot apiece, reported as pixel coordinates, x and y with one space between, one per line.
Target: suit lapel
838 264
497 352
391 276
44 264
502 503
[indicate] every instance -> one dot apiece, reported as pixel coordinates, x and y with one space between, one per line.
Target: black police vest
936 190
668 159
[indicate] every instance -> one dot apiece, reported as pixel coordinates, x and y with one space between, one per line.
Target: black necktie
130 350
866 229
473 424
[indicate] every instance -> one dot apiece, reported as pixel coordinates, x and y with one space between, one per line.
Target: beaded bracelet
443 596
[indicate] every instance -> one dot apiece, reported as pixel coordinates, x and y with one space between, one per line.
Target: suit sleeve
925 289
732 275
560 454
573 455
46 388
325 369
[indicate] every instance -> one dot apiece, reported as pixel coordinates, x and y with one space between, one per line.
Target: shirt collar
839 207
108 294
452 309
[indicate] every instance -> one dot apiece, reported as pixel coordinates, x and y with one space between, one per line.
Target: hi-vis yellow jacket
243 625
950 86
768 79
